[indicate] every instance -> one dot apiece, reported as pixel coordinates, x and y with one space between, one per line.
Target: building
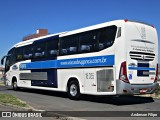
39 33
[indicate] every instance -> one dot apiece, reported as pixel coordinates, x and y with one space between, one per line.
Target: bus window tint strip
49 48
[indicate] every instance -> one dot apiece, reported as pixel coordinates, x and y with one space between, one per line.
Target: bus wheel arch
14 84
73 89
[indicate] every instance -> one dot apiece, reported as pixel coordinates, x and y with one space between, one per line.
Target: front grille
142 56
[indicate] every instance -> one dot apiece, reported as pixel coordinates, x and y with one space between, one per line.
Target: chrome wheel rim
15 84
73 90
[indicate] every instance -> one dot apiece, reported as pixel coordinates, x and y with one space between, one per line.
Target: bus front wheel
73 90
14 85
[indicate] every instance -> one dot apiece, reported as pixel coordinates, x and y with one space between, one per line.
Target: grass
12 100
157 92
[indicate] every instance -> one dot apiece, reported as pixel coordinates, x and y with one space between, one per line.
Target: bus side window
52 48
40 50
87 42
101 46
64 51
19 53
69 45
28 52
106 37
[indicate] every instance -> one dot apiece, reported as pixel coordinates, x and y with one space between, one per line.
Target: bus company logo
143 57
23 66
143 32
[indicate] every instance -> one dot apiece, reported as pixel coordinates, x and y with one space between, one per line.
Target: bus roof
62 34
91 27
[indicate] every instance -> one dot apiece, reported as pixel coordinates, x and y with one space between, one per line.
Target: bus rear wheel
73 90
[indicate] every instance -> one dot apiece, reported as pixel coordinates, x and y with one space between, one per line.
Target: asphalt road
58 101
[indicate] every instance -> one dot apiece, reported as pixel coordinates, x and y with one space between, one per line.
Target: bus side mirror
2 60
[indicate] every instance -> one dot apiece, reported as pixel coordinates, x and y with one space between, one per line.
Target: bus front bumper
135 89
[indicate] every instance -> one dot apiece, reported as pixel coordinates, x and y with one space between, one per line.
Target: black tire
73 90
15 86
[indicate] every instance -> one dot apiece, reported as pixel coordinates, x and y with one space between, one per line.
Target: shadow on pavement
121 100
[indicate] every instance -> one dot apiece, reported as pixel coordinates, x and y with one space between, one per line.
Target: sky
19 18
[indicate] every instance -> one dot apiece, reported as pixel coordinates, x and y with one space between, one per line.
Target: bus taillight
156 77
123 73
126 20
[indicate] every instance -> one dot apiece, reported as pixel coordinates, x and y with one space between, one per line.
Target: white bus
113 58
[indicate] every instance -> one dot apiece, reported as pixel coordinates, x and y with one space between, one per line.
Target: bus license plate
143 90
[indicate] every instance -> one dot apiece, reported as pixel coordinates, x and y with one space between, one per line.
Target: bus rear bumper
132 89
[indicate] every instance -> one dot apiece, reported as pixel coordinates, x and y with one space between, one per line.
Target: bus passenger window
64 51
73 50
19 53
106 37
52 48
87 42
85 48
39 50
69 45
53 52
28 52
101 46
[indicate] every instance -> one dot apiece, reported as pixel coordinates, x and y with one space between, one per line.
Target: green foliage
10 99
157 92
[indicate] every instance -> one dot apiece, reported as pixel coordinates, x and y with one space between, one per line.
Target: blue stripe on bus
141 68
70 63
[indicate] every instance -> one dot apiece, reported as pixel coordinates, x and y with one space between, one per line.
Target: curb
62 116
150 95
